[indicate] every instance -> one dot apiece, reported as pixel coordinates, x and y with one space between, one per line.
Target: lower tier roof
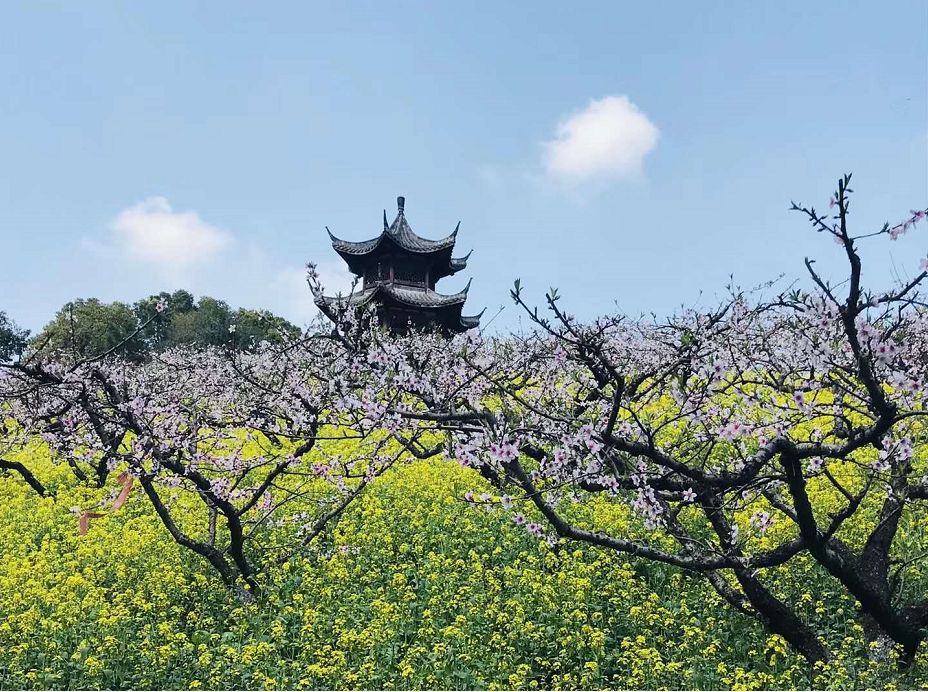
411 297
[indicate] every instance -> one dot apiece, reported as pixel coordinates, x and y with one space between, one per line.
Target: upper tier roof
400 234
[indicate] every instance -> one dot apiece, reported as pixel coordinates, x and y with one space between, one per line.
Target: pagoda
398 271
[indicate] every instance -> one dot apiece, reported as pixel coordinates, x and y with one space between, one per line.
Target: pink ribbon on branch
126 481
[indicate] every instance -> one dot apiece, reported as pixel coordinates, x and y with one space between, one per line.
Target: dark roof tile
418 297
398 232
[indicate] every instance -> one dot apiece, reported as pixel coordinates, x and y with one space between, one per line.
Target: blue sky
629 154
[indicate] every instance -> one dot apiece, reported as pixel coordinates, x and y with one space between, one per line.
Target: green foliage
158 336
413 589
208 324
12 338
90 326
210 321
254 326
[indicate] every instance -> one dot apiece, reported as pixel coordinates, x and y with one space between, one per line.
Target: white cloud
608 138
152 232
335 278
291 297
172 249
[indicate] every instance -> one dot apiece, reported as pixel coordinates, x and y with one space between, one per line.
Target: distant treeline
90 327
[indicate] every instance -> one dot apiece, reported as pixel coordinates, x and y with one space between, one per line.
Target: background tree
211 322
158 337
92 327
255 326
88 327
206 325
12 339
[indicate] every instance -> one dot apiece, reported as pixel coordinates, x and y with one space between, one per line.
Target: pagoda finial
400 204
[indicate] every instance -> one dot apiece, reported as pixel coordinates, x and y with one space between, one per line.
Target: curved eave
425 299
406 240
403 238
409 297
471 321
456 264
350 247
353 299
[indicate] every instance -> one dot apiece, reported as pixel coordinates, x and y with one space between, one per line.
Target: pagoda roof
459 263
406 295
417 298
472 321
400 234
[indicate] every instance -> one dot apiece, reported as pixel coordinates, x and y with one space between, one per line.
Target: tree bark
26 474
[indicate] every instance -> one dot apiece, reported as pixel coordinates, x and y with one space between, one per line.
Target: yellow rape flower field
413 589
